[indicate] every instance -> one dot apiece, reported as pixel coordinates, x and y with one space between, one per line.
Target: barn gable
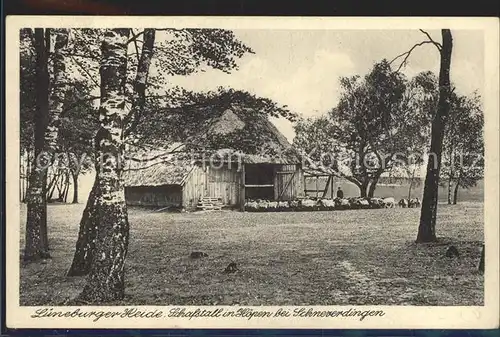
273 166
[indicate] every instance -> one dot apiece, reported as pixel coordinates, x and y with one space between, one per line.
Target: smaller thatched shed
156 183
185 172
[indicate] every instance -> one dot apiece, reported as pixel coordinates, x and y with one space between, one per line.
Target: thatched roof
172 165
158 175
242 123
156 167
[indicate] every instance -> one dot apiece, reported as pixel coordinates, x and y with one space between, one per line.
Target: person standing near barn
340 193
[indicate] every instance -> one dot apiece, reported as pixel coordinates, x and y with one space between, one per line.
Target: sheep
342 203
389 202
272 206
283 205
353 203
345 202
308 204
294 204
414 202
363 203
263 205
327 204
376 203
251 205
404 203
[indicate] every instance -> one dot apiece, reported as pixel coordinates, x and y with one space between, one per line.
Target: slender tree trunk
36 197
85 244
44 235
66 188
27 175
455 193
106 280
64 182
373 185
449 189
363 188
51 186
60 187
451 174
139 95
427 226
75 187
481 261
55 102
410 188
371 189
58 91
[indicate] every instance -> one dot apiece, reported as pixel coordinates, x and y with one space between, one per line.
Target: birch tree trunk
449 190
139 95
427 226
455 192
86 235
56 101
106 281
35 248
85 246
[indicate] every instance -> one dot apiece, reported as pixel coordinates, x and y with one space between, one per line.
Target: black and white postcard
244 172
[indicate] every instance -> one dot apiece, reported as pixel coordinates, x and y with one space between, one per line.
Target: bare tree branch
438 45
406 54
136 47
135 36
86 72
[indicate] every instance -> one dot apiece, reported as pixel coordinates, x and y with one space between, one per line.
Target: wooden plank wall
193 188
292 182
206 181
299 187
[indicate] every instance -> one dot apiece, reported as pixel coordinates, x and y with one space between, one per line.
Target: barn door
284 185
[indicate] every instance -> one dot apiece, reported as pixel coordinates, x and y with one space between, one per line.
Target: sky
301 68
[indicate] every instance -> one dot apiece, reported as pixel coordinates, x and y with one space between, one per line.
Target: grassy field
357 257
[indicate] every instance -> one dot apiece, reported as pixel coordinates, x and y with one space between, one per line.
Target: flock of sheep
324 204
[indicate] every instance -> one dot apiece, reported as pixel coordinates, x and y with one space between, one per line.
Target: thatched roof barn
235 154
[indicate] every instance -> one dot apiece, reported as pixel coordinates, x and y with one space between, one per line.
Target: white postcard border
486 316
